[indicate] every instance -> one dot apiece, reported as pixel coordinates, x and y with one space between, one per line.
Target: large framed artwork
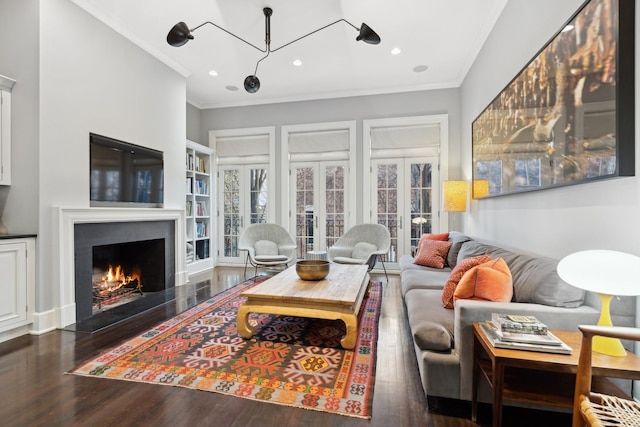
568 116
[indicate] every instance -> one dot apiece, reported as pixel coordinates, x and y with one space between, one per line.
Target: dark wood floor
34 390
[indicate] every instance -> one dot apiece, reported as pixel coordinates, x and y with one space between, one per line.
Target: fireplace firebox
122 265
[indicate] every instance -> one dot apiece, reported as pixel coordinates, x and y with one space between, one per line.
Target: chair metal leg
246 261
385 270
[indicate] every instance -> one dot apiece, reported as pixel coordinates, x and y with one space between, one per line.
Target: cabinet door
13 284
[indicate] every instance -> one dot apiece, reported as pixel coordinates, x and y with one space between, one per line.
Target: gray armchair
267 245
362 244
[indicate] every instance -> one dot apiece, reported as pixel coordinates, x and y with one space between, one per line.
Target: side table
540 378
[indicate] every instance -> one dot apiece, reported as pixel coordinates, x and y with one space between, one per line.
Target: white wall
446 101
557 221
194 125
93 80
19 42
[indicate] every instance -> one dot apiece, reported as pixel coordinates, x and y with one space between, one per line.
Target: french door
404 195
318 199
243 200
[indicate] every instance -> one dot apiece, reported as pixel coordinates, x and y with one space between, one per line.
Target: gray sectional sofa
443 338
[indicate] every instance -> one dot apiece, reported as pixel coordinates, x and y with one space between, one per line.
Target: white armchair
267 245
362 244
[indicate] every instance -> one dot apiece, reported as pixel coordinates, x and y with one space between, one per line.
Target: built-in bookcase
199 225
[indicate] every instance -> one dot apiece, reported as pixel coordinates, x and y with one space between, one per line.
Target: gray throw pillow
457 239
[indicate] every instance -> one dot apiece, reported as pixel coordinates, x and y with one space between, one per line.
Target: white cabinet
199 192
17 286
6 84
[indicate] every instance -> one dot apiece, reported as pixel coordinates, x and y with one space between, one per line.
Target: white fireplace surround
69 217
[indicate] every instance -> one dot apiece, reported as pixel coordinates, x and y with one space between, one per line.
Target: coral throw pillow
455 276
442 237
432 253
490 281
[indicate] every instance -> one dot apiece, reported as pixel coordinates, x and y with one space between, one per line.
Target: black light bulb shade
252 84
367 35
179 35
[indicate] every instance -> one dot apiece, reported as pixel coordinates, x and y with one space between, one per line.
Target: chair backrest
584 372
264 231
376 234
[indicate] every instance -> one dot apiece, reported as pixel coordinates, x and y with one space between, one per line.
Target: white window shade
405 141
304 146
243 149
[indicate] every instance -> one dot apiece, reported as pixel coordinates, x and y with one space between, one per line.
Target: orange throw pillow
490 281
432 253
455 276
426 236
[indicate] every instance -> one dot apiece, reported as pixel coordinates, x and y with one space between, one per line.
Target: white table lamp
607 273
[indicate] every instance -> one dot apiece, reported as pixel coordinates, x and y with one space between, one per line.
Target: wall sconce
455 196
480 188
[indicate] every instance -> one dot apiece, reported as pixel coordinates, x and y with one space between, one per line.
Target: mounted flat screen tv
124 174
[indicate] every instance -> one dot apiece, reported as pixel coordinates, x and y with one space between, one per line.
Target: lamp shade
480 188
455 196
179 35
367 35
602 271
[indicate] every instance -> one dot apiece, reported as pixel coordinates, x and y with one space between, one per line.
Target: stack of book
518 332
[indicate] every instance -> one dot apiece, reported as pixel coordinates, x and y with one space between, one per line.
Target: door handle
400 223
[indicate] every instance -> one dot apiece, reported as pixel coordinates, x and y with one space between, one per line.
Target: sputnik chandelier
181 34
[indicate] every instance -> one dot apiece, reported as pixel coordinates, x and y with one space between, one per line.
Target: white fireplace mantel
69 217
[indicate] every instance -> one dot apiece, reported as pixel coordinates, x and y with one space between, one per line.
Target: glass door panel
319 196
243 201
231 212
305 195
404 192
421 200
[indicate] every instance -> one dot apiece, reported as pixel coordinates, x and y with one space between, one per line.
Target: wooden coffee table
338 296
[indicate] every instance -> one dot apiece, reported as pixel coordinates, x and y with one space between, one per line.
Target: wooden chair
593 409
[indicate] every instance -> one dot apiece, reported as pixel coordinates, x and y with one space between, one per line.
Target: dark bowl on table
312 269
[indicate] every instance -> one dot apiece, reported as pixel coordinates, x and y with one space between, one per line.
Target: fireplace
123 267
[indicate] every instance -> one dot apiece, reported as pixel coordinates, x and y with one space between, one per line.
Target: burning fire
115 278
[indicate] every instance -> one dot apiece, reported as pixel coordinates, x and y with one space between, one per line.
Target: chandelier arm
231 34
313 32
255 73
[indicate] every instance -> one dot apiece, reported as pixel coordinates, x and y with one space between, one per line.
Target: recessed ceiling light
213 73
232 88
567 28
396 51
420 68
297 62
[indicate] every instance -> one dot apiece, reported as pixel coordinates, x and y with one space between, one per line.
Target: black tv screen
124 173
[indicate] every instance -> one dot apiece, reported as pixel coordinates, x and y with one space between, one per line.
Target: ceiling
443 36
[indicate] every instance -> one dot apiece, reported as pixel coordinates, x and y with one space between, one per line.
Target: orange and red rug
291 361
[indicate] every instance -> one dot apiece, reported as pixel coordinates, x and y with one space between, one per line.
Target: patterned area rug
290 361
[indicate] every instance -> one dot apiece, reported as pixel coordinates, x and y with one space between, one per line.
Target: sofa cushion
430 278
535 278
443 237
455 276
432 253
431 325
457 239
490 281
